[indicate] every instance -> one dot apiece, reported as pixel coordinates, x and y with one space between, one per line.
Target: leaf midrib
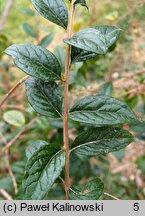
47 164
58 20
92 142
36 63
43 92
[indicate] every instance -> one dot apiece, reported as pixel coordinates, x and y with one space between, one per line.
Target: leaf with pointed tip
106 89
35 61
110 35
55 11
102 110
88 39
82 3
97 141
42 169
92 191
44 97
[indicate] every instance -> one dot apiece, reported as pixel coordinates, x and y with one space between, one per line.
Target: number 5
136 207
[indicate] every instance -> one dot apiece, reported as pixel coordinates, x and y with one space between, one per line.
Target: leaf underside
45 97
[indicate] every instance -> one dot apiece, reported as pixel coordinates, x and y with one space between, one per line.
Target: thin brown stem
110 195
5 194
12 90
17 136
66 102
11 172
5 13
8 165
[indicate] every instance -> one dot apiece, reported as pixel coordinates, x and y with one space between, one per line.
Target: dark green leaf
42 169
34 147
102 110
88 39
81 2
110 34
106 89
35 61
79 55
46 40
29 30
98 141
55 11
92 191
44 97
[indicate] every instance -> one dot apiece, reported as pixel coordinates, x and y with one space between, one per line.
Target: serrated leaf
97 141
110 35
55 11
42 169
14 117
92 191
81 2
44 97
106 89
34 146
35 61
29 30
102 110
46 40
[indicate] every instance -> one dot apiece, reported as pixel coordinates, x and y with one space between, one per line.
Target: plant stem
13 89
66 102
13 140
5 194
5 13
113 197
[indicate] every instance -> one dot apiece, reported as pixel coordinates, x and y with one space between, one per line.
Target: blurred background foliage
123 72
